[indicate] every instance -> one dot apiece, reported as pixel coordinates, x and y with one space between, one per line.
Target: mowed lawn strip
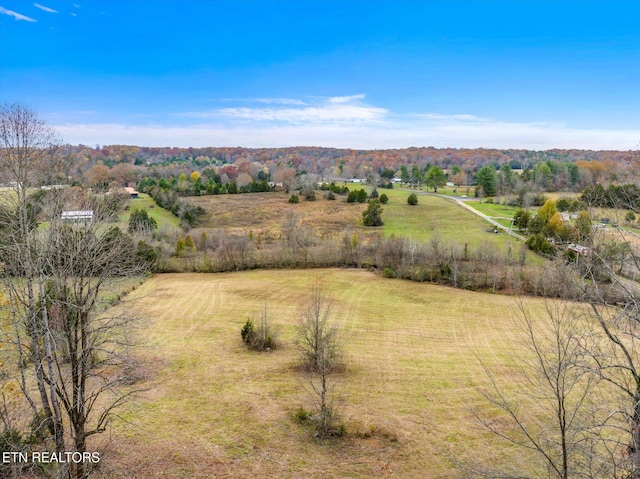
145 202
412 353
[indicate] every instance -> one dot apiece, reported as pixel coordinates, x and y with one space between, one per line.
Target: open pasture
264 213
439 216
215 409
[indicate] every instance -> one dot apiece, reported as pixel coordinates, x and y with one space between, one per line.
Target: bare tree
555 416
614 297
319 347
69 354
297 237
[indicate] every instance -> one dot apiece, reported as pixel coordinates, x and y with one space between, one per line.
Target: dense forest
127 164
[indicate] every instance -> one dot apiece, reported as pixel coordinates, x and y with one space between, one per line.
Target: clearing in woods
215 409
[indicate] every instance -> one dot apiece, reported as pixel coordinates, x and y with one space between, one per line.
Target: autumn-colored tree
546 211
555 226
124 173
243 180
286 176
98 176
194 176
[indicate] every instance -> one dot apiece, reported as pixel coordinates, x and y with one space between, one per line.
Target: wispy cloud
440 117
16 15
280 101
323 110
345 99
46 9
507 135
342 122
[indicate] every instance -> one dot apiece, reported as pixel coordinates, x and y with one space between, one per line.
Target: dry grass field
262 214
215 409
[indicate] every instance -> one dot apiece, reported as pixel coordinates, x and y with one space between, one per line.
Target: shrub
180 246
146 254
140 221
330 195
521 219
353 197
388 272
262 337
538 200
539 244
302 414
630 216
372 216
294 199
384 199
563 204
308 192
248 333
189 243
362 196
374 193
412 199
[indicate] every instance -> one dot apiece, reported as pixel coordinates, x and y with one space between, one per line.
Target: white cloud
46 9
345 99
16 15
362 136
341 122
438 116
279 101
341 113
324 110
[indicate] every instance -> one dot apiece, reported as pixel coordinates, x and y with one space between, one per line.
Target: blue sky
360 74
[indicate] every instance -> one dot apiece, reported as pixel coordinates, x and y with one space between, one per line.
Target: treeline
189 214
520 159
196 185
122 163
614 196
481 268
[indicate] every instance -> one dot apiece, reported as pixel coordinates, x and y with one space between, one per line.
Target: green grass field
162 216
500 213
215 409
436 216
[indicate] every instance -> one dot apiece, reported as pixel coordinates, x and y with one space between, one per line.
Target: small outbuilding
79 216
131 191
